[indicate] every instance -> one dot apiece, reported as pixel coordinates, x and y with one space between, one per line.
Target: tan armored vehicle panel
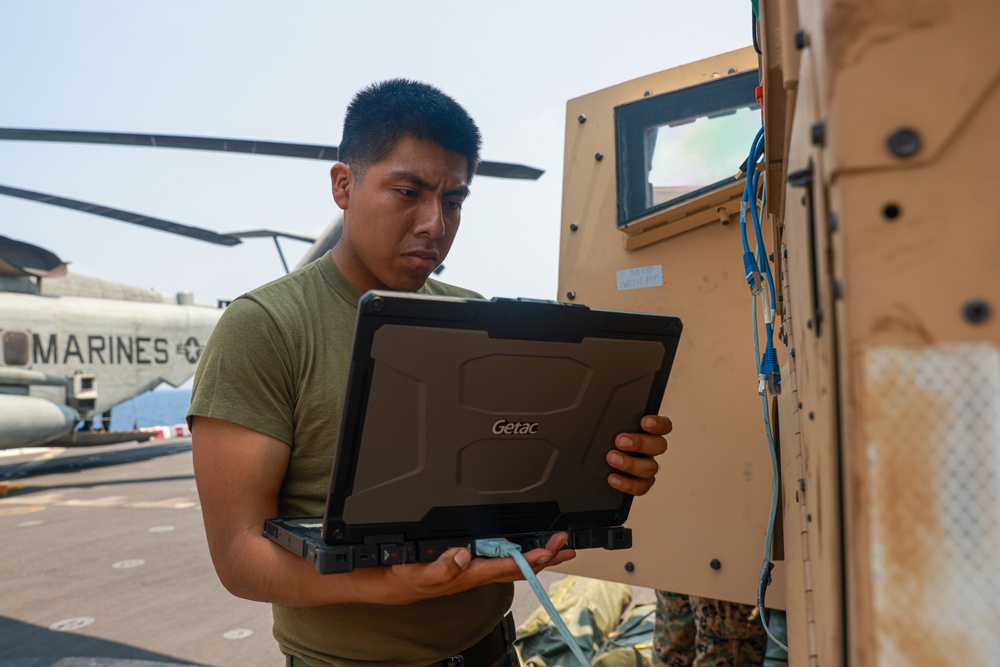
893 140
701 529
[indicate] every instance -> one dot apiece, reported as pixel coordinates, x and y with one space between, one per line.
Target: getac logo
504 427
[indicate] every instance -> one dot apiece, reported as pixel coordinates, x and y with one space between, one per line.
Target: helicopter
72 346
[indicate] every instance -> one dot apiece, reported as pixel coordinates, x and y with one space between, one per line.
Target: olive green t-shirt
277 363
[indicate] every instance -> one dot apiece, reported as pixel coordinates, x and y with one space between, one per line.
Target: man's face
401 216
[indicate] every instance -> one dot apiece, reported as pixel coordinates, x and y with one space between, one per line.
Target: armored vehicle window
680 145
15 348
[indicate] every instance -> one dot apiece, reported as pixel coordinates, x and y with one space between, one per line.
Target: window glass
680 145
15 348
691 155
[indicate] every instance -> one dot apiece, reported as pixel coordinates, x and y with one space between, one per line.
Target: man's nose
431 220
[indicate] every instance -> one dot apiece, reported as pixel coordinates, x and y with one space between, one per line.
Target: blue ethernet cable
750 192
769 373
767 565
501 548
750 264
766 365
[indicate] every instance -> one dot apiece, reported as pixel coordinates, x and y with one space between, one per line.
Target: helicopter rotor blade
307 151
508 170
124 216
282 149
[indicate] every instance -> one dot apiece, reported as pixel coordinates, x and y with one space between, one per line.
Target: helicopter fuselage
67 358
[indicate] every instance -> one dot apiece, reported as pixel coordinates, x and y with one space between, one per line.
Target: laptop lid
473 417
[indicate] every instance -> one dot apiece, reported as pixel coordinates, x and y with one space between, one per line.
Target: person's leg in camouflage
728 634
674 636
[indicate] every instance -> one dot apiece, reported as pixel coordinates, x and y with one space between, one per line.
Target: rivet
809 324
801 39
812 415
818 134
716 564
802 485
647 93
891 211
904 142
976 311
570 295
582 118
630 566
800 406
573 226
838 289
598 156
792 353
732 70
809 517
832 221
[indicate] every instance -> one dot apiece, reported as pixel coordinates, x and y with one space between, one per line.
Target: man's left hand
633 455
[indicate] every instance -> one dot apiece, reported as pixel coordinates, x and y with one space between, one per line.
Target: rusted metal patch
931 419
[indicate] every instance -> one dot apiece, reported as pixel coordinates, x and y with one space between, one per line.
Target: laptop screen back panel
468 418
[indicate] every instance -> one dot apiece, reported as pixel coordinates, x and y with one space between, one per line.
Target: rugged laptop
473 418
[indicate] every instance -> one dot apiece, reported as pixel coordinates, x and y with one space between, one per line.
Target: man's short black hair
381 114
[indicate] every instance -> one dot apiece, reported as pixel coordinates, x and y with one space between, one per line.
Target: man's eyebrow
416 180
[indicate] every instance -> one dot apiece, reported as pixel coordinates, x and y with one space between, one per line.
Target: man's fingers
552 554
639 466
557 542
457 570
641 472
657 424
633 486
448 567
642 444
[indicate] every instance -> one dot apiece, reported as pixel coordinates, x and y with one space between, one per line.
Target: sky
272 71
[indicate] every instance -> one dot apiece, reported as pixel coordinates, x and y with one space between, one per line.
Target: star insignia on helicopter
191 350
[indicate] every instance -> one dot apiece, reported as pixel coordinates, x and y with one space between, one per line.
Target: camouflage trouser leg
674 636
729 634
701 632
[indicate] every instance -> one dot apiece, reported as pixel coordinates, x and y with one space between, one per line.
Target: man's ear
342 181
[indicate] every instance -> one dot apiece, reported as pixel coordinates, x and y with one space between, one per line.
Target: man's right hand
457 570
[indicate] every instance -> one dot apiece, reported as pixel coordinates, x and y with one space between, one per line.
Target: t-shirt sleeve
245 374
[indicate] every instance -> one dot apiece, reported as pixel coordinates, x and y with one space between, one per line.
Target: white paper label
643 276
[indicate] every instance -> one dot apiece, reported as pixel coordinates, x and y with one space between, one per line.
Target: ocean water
163 407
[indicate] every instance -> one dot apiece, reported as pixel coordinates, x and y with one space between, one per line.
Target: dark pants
508 660
500 640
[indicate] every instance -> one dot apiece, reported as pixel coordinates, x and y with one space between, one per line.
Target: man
269 389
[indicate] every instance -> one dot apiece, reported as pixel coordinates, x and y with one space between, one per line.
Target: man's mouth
424 255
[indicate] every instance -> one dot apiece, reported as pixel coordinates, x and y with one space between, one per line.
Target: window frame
633 120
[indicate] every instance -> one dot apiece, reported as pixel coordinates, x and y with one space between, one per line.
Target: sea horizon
160 407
